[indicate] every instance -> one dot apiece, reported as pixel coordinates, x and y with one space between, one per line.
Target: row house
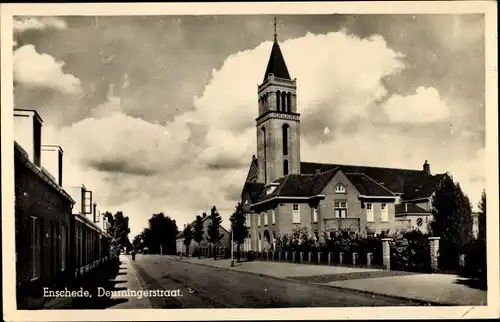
47 215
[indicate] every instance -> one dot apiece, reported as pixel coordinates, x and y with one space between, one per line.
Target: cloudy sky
156 114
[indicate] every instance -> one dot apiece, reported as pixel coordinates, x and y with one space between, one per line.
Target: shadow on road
476 283
104 279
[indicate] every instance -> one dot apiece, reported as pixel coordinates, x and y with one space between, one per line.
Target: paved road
210 287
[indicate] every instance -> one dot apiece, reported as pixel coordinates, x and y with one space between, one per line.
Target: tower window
289 102
285 139
265 152
278 94
284 108
285 167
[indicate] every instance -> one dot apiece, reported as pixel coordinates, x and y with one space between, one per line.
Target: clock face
419 222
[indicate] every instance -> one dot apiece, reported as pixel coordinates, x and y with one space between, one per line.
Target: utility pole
232 249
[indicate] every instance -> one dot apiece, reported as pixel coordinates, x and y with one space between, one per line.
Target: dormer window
340 188
270 188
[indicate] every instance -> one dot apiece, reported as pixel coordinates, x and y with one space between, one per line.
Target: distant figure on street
133 255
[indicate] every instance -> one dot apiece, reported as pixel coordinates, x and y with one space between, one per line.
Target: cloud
200 158
38 23
110 107
42 70
424 106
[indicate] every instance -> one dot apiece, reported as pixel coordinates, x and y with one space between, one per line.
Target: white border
396 7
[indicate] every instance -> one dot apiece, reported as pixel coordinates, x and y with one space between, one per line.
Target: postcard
249 161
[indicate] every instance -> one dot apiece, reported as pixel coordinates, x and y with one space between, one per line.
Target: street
211 287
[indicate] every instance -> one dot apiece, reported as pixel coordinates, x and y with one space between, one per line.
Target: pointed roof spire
275 32
276 64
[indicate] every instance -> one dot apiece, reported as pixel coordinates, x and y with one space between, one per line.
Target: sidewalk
441 289
127 280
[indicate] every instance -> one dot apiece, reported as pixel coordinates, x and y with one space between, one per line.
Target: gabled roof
253 189
193 223
299 185
422 187
409 208
412 184
276 64
252 171
367 186
370 181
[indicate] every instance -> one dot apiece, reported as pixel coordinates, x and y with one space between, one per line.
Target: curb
424 302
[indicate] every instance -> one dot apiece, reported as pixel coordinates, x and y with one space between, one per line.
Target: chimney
94 213
427 167
204 214
254 157
28 133
52 160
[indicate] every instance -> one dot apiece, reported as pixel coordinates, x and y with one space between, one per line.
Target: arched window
283 102
289 102
285 167
265 152
278 93
285 139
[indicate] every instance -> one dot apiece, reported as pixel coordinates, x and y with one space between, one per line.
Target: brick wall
355 209
326 206
34 197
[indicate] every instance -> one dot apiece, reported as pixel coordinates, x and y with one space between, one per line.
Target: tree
239 227
198 232
482 217
188 237
138 240
452 221
129 245
162 231
118 228
110 220
214 236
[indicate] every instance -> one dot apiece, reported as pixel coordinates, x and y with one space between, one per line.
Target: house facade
281 192
224 242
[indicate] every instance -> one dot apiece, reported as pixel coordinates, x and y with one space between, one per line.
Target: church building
282 192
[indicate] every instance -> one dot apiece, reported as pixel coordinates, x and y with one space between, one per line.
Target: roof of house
371 181
193 223
21 155
413 183
367 186
253 189
409 208
252 171
276 64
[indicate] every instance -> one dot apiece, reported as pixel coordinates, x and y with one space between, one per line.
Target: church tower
278 131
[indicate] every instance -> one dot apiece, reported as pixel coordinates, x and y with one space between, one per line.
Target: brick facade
34 197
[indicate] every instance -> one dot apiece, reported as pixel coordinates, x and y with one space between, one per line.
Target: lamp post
232 250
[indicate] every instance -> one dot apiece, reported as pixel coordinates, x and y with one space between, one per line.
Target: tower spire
276 64
275 32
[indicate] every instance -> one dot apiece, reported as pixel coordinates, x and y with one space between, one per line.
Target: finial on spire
275 32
